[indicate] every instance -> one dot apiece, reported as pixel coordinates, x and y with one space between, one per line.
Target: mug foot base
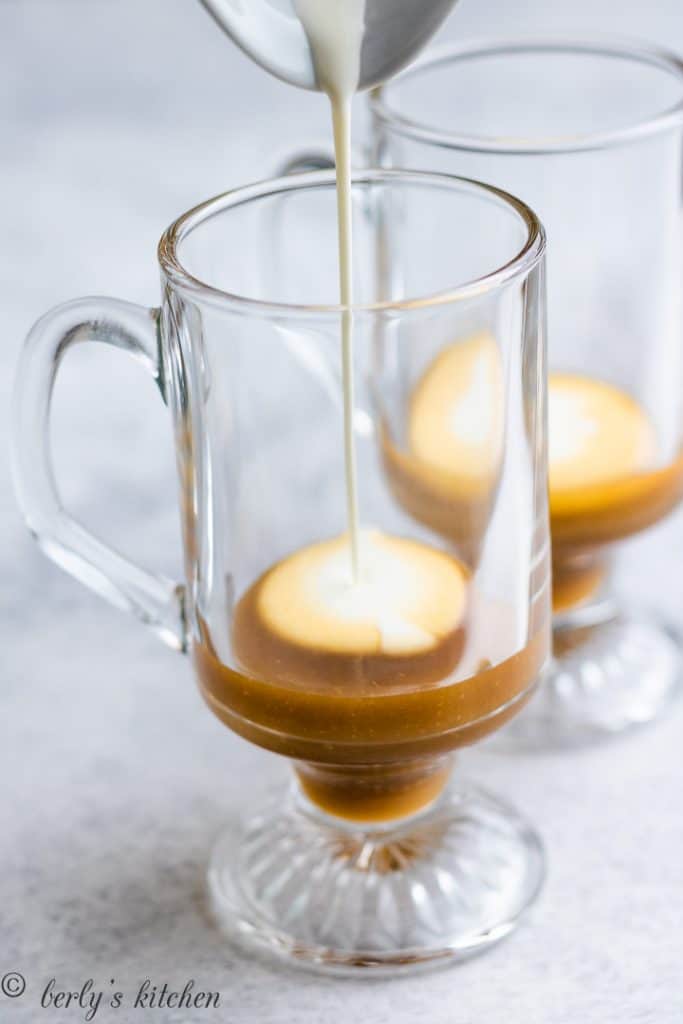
332 896
604 679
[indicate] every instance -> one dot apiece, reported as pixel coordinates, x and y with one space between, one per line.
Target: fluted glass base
326 894
606 677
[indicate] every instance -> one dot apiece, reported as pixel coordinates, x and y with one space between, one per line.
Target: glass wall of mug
367 684
590 134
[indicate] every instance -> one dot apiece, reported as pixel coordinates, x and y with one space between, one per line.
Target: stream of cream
335 31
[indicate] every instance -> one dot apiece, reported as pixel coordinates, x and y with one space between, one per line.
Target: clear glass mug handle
155 600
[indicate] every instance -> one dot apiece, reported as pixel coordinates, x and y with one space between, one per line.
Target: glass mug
371 860
590 134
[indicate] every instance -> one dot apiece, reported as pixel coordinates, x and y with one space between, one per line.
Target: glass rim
606 47
519 265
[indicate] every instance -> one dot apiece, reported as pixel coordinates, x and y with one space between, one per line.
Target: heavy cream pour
403 597
335 30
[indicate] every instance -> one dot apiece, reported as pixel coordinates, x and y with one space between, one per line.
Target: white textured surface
114 777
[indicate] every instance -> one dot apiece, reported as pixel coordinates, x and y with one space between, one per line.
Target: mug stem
386 898
376 794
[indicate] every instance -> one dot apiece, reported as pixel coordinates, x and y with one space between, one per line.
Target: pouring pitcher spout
276 37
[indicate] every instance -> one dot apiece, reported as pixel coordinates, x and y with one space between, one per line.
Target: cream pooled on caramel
597 433
457 411
407 599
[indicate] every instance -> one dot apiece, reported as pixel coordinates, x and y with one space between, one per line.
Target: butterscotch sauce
606 477
577 580
382 792
447 476
606 480
352 727
320 680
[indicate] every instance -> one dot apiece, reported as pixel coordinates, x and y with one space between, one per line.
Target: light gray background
114 117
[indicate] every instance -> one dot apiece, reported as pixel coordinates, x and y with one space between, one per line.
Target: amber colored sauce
588 517
605 484
372 730
378 793
584 521
577 580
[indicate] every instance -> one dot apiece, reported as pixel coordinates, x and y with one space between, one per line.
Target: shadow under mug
366 863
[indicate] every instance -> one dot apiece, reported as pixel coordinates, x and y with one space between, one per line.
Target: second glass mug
373 860
589 133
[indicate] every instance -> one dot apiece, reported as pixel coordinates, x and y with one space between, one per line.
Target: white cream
474 418
387 593
406 599
597 433
571 428
365 592
335 31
